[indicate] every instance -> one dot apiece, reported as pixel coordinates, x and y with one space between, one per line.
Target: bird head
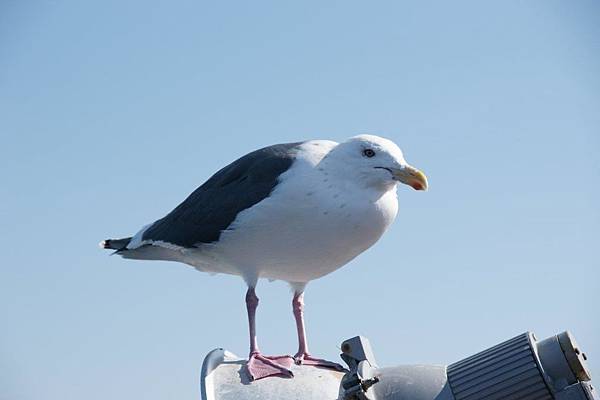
375 161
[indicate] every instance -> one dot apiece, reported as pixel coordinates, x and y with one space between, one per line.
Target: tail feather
115 244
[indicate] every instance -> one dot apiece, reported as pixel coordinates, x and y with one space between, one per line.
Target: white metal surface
224 377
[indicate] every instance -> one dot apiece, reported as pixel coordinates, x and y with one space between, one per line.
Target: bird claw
260 366
307 359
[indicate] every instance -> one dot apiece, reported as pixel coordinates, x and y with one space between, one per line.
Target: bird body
310 224
292 212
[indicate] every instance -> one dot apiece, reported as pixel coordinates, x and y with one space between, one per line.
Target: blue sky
112 112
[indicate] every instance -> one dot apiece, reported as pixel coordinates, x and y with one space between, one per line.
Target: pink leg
303 356
260 366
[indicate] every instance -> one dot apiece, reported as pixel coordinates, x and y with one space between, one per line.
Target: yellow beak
410 176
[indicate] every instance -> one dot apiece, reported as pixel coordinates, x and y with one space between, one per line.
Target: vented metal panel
508 371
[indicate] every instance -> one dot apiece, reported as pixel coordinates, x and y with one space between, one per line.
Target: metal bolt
368 383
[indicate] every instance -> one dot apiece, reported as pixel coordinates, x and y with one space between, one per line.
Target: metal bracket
357 353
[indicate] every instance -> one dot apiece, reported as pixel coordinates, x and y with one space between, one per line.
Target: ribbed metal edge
508 371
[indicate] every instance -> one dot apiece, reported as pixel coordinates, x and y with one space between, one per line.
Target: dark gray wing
213 206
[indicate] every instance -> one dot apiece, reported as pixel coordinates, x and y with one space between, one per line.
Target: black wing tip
115 244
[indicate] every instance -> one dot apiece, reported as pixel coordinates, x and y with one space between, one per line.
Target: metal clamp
357 353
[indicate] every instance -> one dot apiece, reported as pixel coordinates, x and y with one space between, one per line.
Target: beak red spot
417 186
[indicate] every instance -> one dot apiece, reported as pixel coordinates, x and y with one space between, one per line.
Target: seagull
293 212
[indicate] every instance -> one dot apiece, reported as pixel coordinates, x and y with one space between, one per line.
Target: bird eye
368 153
